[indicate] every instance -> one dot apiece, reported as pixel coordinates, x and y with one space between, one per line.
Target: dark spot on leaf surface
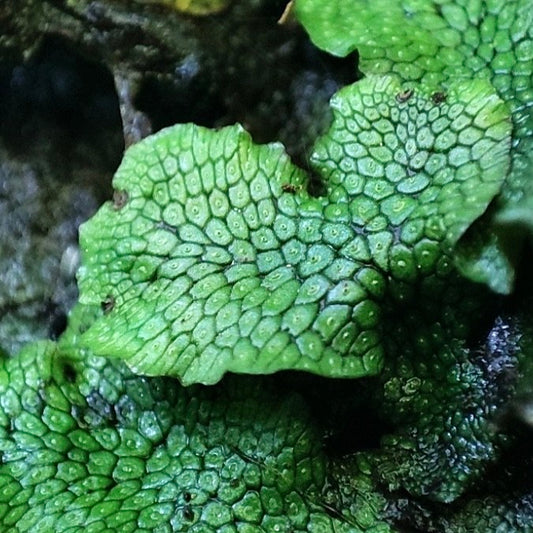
439 97
108 304
289 187
69 372
188 513
403 96
120 199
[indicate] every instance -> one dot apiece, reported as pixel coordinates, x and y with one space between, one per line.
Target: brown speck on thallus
403 96
188 513
289 187
108 304
120 198
438 97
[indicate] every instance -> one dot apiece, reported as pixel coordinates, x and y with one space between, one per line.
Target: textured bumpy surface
443 399
478 516
435 43
214 258
87 446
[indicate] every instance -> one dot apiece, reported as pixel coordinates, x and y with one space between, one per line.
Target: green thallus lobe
214 258
436 43
88 446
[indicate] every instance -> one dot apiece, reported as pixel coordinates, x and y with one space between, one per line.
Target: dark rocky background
80 80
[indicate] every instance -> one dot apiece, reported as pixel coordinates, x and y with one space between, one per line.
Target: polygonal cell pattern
220 260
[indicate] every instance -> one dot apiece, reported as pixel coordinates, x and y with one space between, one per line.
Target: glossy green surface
88 446
436 43
214 258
